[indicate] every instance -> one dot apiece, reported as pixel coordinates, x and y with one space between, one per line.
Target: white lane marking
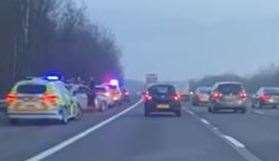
190 112
79 136
234 141
205 121
235 144
215 128
258 112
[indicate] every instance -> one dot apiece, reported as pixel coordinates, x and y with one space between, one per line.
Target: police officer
92 85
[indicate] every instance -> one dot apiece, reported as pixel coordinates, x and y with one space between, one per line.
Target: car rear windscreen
205 90
274 91
162 90
230 88
31 89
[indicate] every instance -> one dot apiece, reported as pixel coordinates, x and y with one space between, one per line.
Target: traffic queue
49 98
222 96
233 96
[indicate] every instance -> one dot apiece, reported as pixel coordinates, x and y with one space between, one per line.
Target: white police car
39 98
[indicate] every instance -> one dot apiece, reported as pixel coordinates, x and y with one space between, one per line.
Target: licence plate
163 106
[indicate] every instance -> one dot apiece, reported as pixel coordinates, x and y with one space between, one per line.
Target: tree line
41 35
268 76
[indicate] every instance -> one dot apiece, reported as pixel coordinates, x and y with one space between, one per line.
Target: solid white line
234 141
205 121
79 136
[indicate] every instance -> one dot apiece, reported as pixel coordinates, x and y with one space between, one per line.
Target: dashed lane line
234 143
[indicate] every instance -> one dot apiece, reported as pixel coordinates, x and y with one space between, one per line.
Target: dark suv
162 98
228 95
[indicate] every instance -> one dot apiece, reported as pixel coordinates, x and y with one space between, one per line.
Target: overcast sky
181 39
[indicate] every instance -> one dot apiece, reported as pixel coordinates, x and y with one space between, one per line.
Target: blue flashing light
52 78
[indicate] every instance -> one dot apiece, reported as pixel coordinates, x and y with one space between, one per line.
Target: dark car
162 98
228 95
125 96
266 96
201 96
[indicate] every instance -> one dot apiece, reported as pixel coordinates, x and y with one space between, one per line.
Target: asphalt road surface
124 134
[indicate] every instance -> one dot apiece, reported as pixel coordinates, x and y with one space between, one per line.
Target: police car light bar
52 78
114 82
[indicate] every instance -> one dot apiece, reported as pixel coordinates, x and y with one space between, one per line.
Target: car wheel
78 113
178 113
209 109
103 107
214 109
13 121
244 110
146 113
65 118
259 105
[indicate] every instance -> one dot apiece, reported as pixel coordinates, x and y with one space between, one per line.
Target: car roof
161 84
204 87
270 87
101 86
38 80
228 82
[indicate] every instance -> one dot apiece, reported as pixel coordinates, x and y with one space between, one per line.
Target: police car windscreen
31 89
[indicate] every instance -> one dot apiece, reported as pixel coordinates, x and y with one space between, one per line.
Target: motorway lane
258 129
25 140
132 137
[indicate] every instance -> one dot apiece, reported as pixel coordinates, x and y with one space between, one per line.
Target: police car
41 98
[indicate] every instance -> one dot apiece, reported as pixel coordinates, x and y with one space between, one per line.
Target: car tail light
265 98
176 97
216 96
243 95
10 98
49 98
107 94
147 97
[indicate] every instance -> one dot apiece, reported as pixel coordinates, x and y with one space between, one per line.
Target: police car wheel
64 119
13 121
78 113
178 113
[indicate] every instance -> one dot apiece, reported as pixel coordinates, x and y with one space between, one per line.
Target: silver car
266 96
228 95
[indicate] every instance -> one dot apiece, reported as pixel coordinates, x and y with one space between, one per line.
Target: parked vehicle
40 98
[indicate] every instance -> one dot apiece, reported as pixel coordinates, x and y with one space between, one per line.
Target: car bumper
230 106
154 108
270 103
53 115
